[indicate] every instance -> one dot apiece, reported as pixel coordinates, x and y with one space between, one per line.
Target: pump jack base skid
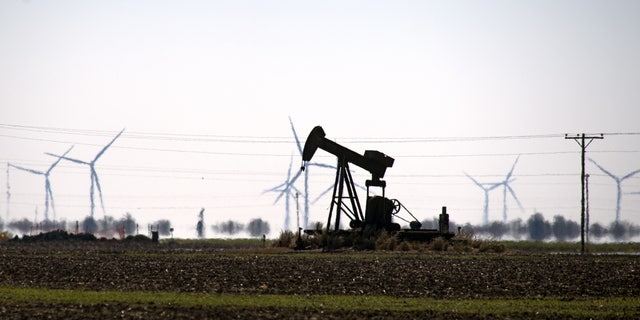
416 235
423 235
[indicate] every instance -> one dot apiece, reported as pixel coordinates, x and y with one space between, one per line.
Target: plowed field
160 268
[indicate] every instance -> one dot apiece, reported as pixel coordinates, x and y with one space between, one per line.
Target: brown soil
107 266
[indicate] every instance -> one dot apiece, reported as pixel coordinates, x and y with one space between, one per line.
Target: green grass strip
600 307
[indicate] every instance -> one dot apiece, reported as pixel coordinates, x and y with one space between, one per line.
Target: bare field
211 271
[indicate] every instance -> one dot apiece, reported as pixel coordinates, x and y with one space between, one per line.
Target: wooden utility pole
581 139
587 208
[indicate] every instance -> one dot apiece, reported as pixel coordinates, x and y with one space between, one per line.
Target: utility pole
581 139
297 211
8 192
587 208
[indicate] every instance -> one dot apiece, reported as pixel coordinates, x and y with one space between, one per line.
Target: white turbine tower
486 187
618 181
48 194
505 184
94 175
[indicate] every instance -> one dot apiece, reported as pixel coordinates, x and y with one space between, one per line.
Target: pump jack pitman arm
373 161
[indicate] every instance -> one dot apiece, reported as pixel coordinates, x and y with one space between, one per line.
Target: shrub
287 239
332 241
491 246
404 246
439 244
386 241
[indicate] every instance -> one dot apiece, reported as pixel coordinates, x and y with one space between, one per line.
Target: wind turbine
48 194
306 177
94 175
618 185
505 184
486 187
285 189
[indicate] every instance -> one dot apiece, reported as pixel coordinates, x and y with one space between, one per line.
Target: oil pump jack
379 210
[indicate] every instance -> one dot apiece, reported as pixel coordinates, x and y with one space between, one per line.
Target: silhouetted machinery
379 211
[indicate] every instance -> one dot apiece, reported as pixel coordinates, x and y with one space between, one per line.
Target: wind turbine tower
48 194
95 182
618 181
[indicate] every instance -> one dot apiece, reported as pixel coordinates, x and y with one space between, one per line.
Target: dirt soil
108 266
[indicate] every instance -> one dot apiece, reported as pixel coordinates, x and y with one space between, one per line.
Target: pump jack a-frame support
344 179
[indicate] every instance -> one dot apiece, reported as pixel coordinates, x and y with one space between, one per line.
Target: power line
147 135
263 139
220 153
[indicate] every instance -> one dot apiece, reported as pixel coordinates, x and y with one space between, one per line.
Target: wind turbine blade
633 173
512 167
295 135
280 196
604 170
58 160
288 186
513 194
107 146
26 169
67 158
321 195
290 166
283 187
95 177
296 190
290 183
493 186
474 180
276 188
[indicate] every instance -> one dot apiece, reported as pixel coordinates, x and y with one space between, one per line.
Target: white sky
232 72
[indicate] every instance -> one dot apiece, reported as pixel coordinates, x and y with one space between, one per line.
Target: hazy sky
205 88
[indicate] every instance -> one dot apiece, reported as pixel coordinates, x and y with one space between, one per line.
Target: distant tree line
537 228
107 226
256 227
